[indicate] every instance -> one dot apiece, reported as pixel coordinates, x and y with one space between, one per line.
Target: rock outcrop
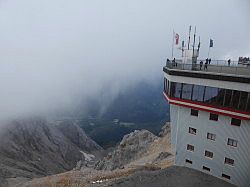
165 130
33 148
130 148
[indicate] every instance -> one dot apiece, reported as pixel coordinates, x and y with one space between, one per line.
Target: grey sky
54 53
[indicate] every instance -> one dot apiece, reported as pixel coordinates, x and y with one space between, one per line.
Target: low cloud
57 54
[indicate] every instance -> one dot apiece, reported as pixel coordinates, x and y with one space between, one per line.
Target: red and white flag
177 39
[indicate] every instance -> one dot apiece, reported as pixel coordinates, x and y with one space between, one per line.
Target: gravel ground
173 176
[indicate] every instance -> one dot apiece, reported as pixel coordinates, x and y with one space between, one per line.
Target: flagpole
209 51
194 39
173 46
190 27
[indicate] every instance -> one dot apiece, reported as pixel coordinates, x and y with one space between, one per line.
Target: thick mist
57 54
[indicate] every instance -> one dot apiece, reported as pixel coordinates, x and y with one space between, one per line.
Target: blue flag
211 43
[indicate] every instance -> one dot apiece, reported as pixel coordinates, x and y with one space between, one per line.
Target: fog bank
55 54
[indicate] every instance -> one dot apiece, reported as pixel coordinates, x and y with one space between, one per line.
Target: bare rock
131 147
165 130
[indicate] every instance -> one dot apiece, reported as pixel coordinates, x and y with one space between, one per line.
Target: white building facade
210 118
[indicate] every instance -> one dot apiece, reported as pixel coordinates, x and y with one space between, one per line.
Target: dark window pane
213 117
190 147
248 103
194 112
209 154
211 136
227 98
229 161
220 96
192 130
235 99
235 122
168 86
164 85
176 89
232 142
172 89
189 161
243 101
186 91
210 95
206 168
198 93
225 176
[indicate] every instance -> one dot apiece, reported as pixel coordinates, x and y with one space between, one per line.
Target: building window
176 89
194 112
189 161
227 98
187 91
211 136
209 154
206 168
243 101
229 161
192 130
225 176
213 117
210 95
198 93
232 142
190 147
235 122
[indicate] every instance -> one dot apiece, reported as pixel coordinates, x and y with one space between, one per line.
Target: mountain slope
34 148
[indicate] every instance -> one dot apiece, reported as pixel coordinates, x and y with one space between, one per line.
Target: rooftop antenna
199 45
190 27
194 39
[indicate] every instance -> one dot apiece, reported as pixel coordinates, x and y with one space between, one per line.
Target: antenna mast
194 39
190 27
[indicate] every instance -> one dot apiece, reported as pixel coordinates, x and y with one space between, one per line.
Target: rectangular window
190 147
225 176
220 97
198 93
206 168
213 117
176 89
235 122
187 91
164 85
235 99
168 87
227 98
243 101
194 112
211 136
232 142
192 130
210 95
209 154
189 161
229 161
248 103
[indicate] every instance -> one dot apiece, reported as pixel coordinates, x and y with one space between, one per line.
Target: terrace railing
216 66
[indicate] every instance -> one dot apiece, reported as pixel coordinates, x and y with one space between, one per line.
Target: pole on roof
173 46
190 27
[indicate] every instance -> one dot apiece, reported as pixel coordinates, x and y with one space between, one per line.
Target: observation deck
217 69
219 88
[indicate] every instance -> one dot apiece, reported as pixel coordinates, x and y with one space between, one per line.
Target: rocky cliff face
33 147
130 148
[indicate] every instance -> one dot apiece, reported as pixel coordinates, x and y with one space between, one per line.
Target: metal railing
215 66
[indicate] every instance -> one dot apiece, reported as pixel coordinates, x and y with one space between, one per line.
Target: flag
176 39
211 43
